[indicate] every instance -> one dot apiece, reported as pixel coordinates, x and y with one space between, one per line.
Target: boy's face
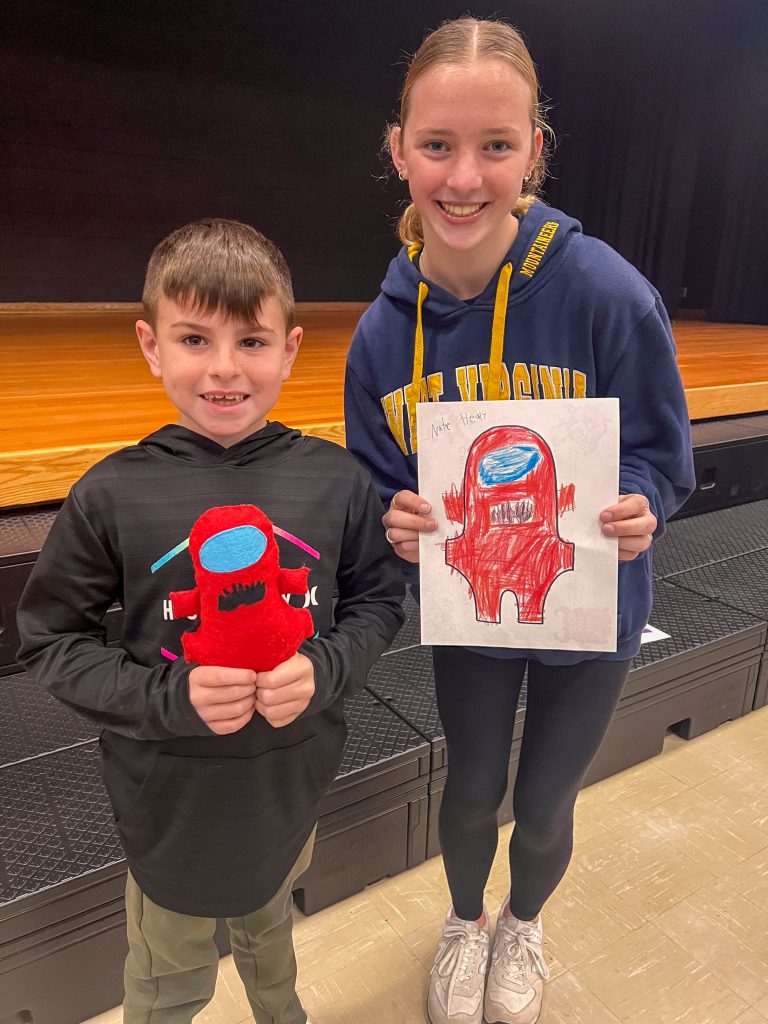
224 376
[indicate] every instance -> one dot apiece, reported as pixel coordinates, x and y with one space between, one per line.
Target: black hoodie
210 824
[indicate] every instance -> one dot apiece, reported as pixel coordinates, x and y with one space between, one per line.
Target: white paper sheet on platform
650 634
518 559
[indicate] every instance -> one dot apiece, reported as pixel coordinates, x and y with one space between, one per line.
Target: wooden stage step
75 386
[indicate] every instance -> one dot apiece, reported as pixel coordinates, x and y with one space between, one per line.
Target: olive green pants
172 965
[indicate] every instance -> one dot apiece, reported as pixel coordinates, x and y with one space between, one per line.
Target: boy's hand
283 693
225 698
407 517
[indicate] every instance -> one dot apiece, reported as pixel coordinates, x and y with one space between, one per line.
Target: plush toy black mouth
239 594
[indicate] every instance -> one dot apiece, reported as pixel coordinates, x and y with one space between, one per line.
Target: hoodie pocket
635 598
199 815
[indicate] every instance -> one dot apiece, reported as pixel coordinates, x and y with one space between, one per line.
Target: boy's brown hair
218 265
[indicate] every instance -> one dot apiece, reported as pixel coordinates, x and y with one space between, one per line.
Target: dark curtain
124 120
740 292
628 83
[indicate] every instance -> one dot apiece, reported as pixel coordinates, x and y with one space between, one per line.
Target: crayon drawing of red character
509 510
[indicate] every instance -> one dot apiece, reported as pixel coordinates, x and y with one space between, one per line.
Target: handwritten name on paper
441 428
467 418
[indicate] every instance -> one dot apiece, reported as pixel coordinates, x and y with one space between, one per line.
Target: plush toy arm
293 581
185 602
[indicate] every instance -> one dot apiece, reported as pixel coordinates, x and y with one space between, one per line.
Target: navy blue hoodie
570 319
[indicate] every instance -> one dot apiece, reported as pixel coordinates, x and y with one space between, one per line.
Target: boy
215 774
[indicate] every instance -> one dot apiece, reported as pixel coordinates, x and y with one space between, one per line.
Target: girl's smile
461 212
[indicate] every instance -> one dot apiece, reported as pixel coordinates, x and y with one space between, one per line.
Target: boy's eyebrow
263 329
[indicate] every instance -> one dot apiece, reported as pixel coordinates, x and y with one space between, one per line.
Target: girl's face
466 146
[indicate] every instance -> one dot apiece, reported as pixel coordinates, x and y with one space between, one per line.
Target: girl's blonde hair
465 41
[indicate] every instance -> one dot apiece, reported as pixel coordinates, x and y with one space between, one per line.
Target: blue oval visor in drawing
506 465
233 549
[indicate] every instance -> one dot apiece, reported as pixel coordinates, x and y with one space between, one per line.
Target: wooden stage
75 386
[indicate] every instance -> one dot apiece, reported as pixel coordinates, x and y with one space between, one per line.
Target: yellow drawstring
418 341
497 334
497 341
413 393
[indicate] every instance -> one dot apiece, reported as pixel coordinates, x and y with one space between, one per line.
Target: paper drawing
517 488
510 538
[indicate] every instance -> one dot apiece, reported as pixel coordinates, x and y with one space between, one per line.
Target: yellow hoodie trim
413 393
413 250
497 341
418 341
497 334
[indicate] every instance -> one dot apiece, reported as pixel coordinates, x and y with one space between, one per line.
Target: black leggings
568 713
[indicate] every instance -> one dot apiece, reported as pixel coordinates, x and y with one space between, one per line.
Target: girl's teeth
461 211
224 399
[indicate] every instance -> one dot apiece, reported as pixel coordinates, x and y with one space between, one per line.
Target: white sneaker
517 972
457 981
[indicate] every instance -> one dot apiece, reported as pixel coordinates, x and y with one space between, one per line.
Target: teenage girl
496 295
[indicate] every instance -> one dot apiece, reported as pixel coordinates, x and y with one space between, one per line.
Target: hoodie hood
179 444
535 255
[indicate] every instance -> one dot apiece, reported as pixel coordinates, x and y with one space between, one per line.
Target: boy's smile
223 375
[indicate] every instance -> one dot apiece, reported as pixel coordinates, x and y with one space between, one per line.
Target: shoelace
462 953
518 955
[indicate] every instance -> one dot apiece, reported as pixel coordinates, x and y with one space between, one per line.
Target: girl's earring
526 179
401 176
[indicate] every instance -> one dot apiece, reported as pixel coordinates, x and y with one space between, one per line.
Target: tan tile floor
662 918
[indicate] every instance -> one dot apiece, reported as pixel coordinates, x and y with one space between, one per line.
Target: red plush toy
244 620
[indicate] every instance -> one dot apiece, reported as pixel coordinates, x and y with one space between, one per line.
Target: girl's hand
407 517
632 521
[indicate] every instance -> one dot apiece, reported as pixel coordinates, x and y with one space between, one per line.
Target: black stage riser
730 458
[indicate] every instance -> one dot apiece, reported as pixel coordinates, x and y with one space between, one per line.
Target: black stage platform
730 457
62 874
708 539
741 583
62 936
22 534
374 821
